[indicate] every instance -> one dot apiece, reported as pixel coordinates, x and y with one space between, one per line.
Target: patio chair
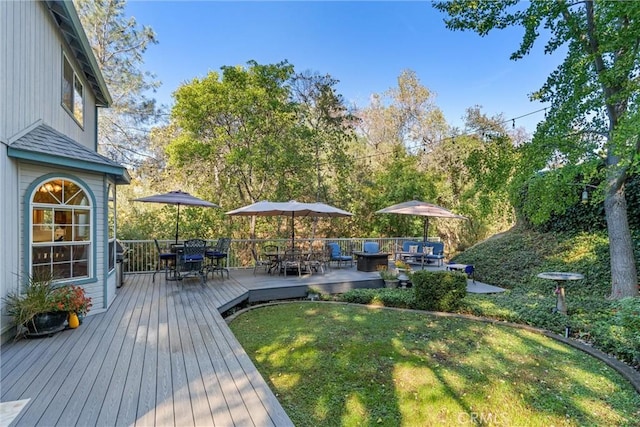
316 261
164 261
192 259
292 259
371 247
335 254
259 262
218 256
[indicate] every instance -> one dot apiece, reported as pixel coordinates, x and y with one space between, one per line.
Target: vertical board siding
32 60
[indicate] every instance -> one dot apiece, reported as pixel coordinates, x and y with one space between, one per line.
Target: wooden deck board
161 355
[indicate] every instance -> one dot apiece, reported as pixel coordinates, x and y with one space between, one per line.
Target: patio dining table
277 258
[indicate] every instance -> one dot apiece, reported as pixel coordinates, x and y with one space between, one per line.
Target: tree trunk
624 277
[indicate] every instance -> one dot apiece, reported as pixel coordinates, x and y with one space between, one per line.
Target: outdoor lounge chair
371 247
335 254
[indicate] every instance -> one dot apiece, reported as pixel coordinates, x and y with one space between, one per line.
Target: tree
118 45
593 122
259 132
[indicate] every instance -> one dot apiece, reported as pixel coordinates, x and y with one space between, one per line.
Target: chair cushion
167 256
428 250
335 249
371 247
407 245
413 249
192 258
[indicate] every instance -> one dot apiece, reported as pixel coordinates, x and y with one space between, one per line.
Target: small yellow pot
73 320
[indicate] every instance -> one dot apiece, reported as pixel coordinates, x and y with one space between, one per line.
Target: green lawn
336 364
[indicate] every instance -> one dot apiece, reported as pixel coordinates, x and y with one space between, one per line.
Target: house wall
31 49
31 58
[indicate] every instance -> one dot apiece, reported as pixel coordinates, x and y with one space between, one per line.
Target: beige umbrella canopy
177 198
419 208
291 209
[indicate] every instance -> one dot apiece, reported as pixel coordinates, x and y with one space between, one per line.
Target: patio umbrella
179 198
292 208
419 208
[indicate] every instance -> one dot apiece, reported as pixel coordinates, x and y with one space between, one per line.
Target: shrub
387 297
620 334
439 290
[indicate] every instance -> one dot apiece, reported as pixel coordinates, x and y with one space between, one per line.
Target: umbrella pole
177 223
293 231
426 228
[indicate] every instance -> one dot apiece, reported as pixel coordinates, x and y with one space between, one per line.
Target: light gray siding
31 53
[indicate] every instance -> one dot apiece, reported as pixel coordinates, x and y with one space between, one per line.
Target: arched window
61 230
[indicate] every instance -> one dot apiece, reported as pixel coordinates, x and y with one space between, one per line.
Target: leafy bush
401 298
439 290
620 333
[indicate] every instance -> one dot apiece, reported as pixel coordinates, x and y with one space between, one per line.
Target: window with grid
61 232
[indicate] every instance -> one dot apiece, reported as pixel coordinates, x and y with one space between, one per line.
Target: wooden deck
161 355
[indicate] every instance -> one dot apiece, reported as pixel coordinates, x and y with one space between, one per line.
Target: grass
337 364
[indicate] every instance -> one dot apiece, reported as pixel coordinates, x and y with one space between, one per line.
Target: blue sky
365 45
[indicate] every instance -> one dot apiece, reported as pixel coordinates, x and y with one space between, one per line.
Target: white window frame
61 245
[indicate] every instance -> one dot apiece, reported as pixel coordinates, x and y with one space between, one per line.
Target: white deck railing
142 255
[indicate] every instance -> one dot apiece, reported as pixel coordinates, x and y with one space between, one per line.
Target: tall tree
241 134
328 123
119 44
593 121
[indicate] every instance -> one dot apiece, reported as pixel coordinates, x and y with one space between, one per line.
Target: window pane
51 192
81 233
74 195
112 247
67 85
78 101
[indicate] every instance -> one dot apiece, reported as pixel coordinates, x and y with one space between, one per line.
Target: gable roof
66 17
45 145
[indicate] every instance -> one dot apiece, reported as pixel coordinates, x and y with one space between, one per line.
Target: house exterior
57 194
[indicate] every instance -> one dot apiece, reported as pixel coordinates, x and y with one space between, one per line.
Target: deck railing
142 255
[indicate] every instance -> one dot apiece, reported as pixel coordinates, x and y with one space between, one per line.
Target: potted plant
73 300
36 310
390 278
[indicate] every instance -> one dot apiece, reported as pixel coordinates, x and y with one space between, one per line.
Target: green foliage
591 126
513 260
38 296
439 290
401 298
619 333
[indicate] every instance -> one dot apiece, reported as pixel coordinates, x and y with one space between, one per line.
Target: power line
417 146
